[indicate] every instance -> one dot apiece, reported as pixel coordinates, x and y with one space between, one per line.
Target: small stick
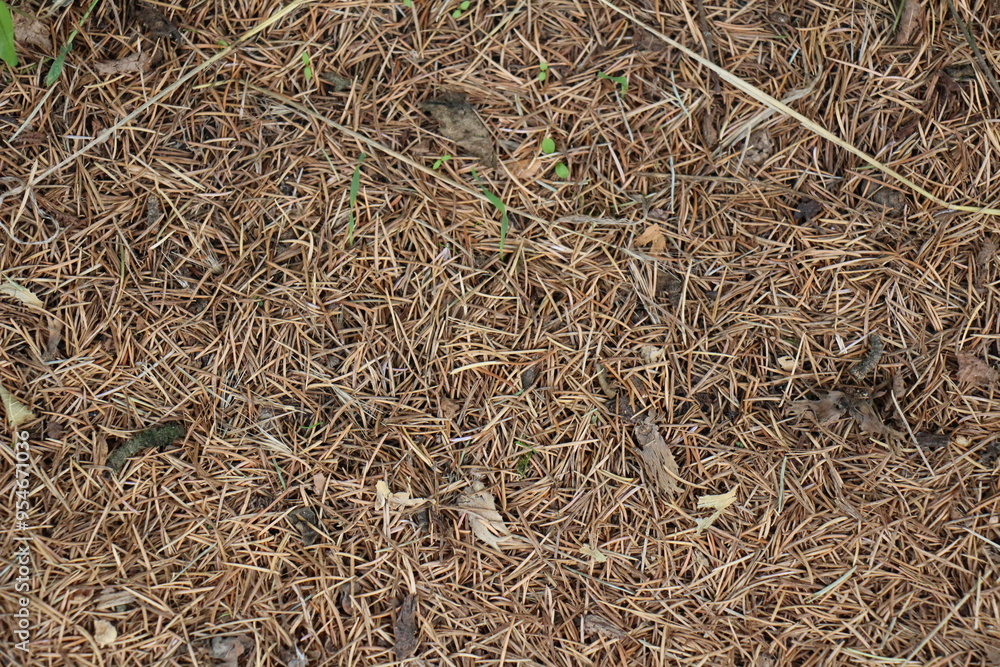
866 365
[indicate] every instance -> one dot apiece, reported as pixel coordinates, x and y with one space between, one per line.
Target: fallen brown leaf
16 411
932 441
594 553
592 623
719 503
21 293
486 522
891 200
155 23
31 31
306 522
653 236
863 412
137 62
806 210
975 371
830 407
459 122
651 354
759 147
405 628
909 20
657 459
228 650
105 633
111 599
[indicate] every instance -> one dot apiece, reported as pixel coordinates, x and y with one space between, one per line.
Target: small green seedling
548 146
462 8
562 171
8 53
408 3
524 462
355 186
543 71
57 65
440 161
622 81
500 206
307 69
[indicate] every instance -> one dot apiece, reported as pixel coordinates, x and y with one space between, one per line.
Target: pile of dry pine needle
503 333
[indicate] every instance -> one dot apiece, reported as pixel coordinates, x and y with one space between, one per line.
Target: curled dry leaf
759 147
909 20
657 460
404 630
594 553
592 623
651 354
105 633
458 121
385 498
31 31
484 519
786 363
306 522
137 62
155 23
975 371
719 503
228 650
17 412
449 408
21 293
830 407
653 236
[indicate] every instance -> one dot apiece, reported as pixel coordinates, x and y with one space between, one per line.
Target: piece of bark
405 628
458 121
657 459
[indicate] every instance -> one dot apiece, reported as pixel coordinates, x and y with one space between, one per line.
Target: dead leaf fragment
759 147
932 441
31 31
294 657
21 293
890 200
137 62
228 650
385 498
719 503
458 121
806 210
306 522
651 354
830 407
449 408
595 553
592 623
909 20
155 23
405 628
786 363
105 633
653 236
486 522
16 411
339 83
657 460
863 412
973 370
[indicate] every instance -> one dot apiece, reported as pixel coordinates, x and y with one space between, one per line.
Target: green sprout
408 3
440 161
355 186
525 459
548 146
562 171
57 65
543 71
499 205
457 14
622 81
307 66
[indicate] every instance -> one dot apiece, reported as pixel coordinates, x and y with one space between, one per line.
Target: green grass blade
355 186
57 65
504 222
7 51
